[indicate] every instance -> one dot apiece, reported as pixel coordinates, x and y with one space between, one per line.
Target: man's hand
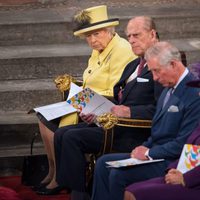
88 118
121 111
174 177
139 153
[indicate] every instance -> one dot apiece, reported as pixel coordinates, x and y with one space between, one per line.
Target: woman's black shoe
40 186
53 191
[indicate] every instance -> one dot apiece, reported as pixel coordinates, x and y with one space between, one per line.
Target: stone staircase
37 44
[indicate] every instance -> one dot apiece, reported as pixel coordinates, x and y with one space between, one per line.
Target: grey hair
164 52
111 29
148 24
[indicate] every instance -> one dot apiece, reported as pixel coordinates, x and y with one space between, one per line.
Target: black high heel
38 187
53 191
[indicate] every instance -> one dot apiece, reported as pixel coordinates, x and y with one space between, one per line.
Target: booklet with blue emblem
79 100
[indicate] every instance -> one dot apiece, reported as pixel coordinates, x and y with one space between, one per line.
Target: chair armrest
125 122
136 123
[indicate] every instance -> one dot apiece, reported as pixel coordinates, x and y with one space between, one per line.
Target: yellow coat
104 70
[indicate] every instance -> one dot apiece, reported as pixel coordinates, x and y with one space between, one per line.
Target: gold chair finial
107 120
63 82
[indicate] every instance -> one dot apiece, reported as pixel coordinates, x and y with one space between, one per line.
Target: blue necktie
166 99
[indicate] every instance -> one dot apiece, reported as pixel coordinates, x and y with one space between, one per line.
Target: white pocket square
173 108
142 80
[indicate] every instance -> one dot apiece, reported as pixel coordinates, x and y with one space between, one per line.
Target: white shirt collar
181 78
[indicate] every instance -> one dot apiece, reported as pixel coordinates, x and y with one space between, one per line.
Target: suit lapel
131 84
172 101
130 68
160 103
175 97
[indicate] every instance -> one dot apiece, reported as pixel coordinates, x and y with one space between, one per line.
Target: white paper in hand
130 162
74 89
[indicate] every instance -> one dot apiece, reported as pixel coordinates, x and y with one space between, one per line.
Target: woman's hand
88 118
174 177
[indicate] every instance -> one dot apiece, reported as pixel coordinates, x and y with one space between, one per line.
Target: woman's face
98 39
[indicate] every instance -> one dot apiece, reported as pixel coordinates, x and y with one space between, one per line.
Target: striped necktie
141 66
167 97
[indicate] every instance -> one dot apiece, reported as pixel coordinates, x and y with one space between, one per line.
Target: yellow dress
104 70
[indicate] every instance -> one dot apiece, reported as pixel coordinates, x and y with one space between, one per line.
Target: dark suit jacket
175 122
141 97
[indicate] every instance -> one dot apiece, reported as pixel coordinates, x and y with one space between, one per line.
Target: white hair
164 52
111 30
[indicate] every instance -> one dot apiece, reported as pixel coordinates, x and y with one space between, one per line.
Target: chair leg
91 160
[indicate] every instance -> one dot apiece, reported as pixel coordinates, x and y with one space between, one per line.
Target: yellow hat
92 19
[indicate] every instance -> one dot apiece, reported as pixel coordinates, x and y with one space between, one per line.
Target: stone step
49 61
191 47
11 3
18 118
21 4
42 61
11 166
18 149
17 130
54 25
23 95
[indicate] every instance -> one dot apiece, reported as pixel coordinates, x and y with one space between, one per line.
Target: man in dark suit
175 185
135 96
177 115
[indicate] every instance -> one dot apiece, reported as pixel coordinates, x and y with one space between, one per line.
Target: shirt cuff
147 155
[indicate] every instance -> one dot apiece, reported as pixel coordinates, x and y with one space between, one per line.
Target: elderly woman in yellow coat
109 57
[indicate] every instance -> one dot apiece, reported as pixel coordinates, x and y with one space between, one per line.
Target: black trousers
72 142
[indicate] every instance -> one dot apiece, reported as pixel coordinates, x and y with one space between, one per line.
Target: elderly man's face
98 39
165 75
139 37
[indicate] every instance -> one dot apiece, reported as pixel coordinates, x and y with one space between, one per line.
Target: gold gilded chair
107 121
